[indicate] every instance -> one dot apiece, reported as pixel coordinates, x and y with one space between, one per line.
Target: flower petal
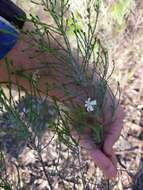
86 105
91 108
88 108
93 102
89 104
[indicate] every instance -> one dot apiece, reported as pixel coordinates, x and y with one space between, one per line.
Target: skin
104 158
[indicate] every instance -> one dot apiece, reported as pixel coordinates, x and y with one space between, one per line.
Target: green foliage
97 135
4 184
119 10
90 57
72 25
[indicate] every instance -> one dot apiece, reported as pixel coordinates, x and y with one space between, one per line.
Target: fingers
105 163
113 133
113 159
106 160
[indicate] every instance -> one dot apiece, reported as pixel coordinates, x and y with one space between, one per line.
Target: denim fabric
8 37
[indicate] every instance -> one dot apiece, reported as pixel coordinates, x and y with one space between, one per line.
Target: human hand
104 157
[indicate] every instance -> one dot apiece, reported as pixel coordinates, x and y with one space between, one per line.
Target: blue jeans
8 37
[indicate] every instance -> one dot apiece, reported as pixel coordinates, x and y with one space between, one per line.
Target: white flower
36 75
90 104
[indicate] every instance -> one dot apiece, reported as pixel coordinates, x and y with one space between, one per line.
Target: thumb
113 132
105 163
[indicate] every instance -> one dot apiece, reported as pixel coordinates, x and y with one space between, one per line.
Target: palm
105 158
